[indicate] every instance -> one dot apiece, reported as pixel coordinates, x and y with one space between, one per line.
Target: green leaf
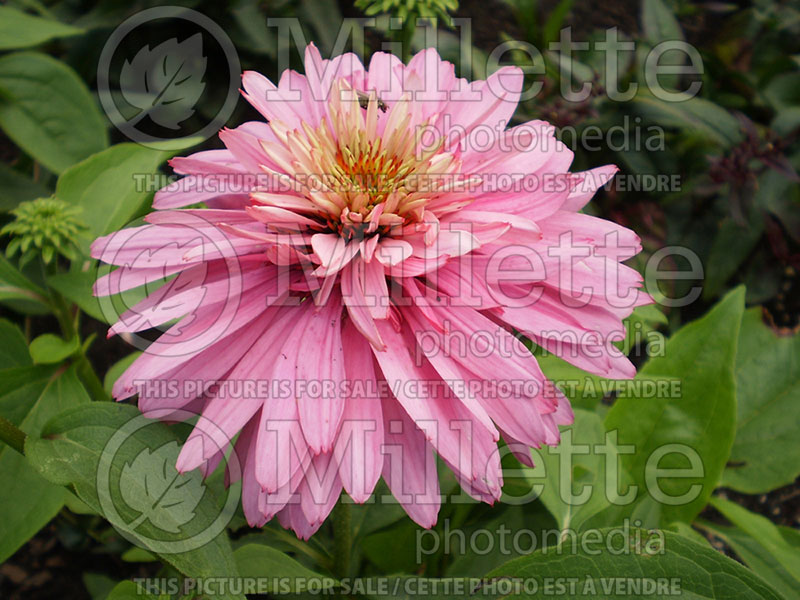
48 349
698 423
370 517
137 555
660 25
47 110
732 245
117 369
74 449
29 396
99 585
781 197
412 587
782 91
252 36
659 22
76 286
759 558
393 549
87 184
700 571
765 453
687 531
765 531
569 67
21 30
640 330
572 475
483 544
583 389
319 14
762 276
16 187
128 590
693 115
650 313
278 538
77 506
14 286
14 349
786 121
258 560
555 21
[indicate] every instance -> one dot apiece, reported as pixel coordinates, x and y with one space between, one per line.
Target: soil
50 566
781 506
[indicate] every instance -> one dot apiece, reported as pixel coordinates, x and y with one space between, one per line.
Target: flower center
370 168
368 176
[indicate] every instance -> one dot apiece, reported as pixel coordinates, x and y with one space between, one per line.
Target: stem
12 435
290 539
342 539
90 379
84 368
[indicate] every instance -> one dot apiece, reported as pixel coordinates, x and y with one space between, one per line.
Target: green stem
342 539
69 329
12 435
90 379
290 539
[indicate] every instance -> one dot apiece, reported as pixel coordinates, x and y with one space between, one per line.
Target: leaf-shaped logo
178 297
152 486
165 82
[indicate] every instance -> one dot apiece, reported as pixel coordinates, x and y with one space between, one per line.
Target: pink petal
409 468
358 445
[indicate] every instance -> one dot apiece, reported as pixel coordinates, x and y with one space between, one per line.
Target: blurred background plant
729 157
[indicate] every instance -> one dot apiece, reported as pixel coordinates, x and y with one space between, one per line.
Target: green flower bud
44 227
430 9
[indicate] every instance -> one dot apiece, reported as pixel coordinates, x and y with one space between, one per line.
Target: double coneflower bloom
356 294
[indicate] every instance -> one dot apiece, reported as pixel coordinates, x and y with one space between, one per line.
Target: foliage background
735 349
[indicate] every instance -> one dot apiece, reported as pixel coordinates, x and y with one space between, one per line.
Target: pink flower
356 285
